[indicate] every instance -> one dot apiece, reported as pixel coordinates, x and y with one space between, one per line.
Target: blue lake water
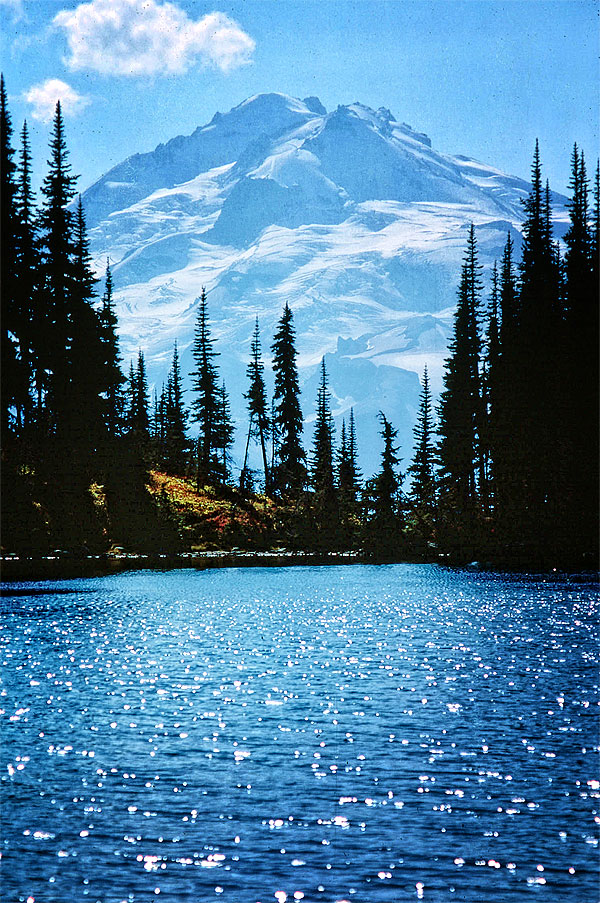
352 733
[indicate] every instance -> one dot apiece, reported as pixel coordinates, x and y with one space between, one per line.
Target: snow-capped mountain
349 216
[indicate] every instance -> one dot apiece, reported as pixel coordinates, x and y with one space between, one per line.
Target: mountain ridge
350 216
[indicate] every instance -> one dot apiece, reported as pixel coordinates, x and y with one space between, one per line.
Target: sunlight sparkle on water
296 734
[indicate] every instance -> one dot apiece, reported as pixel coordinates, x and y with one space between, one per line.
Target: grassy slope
214 517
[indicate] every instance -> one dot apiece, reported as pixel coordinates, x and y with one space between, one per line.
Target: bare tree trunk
264 457
243 473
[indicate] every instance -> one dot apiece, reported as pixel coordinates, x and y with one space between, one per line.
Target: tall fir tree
422 494
490 387
325 508
460 409
508 296
322 453
175 440
510 402
344 481
158 426
595 233
539 425
348 483
70 428
580 408
259 422
137 406
384 536
290 473
57 269
223 433
355 470
141 396
129 406
30 335
83 426
9 391
578 260
205 406
113 378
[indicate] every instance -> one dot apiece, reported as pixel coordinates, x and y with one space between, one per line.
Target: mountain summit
350 216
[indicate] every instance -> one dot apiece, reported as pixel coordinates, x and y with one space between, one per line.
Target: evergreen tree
508 297
205 406
422 493
137 417
113 376
580 408
130 400
26 309
175 438
223 432
346 499
257 406
578 239
384 531
538 378
322 455
158 426
78 426
595 233
274 438
344 480
291 460
57 250
509 403
8 226
460 410
354 471
348 483
141 396
82 428
490 388
325 508
69 357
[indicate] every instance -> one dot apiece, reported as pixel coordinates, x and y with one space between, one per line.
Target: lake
358 733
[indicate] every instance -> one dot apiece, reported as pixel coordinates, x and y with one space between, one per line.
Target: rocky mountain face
349 216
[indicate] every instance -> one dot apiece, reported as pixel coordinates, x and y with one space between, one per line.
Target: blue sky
480 78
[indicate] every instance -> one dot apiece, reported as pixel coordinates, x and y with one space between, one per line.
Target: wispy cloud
150 37
15 8
43 98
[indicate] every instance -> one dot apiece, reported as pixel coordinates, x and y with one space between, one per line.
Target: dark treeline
517 474
75 436
510 469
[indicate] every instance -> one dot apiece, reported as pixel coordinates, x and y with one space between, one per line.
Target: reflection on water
360 733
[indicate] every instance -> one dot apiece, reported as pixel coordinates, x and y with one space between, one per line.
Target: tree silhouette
176 443
114 379
422 493
290 469
205 406
9 316
385 526
460 408
256 397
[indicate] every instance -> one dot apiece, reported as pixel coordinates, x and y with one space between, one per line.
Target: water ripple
342 733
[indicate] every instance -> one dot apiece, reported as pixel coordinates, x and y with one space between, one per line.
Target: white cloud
43 98
149 37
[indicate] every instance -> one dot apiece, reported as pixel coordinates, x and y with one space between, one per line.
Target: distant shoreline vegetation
505 469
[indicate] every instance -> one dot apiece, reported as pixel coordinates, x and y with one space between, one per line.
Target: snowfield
349 216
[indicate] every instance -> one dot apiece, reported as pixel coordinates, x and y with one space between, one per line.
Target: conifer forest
504 466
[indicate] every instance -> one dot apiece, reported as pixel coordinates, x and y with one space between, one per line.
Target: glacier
350 216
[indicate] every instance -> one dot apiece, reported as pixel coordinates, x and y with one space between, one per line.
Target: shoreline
62 566
65 567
